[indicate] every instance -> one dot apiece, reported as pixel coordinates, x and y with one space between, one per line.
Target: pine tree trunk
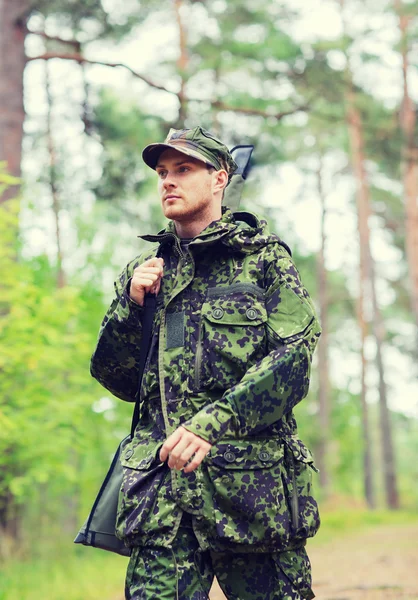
53 179
182 64
355 127
12 64
13 14
408 122
368 475
363 205
323 369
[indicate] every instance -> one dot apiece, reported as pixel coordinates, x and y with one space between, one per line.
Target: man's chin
175 213
172 213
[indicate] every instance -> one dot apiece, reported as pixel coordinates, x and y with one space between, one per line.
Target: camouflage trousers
184 572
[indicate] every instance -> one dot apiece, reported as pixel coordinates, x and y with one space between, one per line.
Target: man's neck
193 228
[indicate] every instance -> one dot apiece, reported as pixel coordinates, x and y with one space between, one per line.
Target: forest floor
357 555
379 563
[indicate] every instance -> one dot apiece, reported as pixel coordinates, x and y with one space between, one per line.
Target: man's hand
146 278
180 447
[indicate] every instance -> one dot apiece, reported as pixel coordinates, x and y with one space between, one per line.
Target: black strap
150 303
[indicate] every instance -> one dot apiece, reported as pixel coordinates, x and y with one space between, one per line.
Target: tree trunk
182 64
323 368
355 127
53 179
368 474
363 206
13 14
410 165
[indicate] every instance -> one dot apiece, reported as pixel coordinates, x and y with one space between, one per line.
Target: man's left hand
180 446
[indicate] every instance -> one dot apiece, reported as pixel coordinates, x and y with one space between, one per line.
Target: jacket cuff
213 422
128 311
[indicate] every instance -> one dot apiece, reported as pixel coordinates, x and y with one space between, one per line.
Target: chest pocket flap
227 311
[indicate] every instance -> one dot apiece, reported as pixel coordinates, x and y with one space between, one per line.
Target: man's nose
169 181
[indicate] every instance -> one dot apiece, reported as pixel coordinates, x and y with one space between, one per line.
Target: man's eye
183 169
162 174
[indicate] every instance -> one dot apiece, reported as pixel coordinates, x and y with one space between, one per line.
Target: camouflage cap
197 143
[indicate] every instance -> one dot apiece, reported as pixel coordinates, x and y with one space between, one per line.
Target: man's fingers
177 451
146 278
200 455
145 282
185 456
156 287
143 270
152 262
180 447
169 444
140 276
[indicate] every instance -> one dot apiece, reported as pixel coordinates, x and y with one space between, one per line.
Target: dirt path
379 563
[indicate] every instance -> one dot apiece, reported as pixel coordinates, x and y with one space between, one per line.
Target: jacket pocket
231 337
249 505
299 462
143 474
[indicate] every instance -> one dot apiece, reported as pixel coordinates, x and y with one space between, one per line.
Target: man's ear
221 180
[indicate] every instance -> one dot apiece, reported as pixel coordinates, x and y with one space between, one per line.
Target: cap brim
152 153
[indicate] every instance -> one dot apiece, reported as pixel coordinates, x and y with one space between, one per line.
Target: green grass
89 574
343 522
82 574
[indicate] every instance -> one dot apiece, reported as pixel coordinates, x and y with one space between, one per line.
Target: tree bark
13 14
368 474
355 128
408 122
53 180
364 211
323 367
182 63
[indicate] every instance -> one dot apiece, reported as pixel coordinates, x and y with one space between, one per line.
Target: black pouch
99 529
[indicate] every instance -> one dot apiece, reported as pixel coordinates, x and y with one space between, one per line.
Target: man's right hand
146 279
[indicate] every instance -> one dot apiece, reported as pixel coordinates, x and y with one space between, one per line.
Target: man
216 480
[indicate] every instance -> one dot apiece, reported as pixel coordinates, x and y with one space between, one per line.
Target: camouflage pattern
197 143
181 572
277 576
230 357
185 572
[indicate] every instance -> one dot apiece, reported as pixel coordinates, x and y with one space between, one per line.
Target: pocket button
264 456
128 454
229 457
218 313
252 314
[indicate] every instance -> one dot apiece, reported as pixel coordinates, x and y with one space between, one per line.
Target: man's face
185 187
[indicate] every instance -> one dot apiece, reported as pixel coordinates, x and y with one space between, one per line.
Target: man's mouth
171 197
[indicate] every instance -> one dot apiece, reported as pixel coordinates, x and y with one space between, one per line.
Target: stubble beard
185 214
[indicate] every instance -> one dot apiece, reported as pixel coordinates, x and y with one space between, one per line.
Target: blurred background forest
327 91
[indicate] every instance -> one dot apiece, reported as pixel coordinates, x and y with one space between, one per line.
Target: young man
216 480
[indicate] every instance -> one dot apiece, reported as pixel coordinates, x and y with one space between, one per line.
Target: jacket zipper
161 371
198 363
294 501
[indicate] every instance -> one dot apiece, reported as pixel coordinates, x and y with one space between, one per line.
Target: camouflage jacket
230 357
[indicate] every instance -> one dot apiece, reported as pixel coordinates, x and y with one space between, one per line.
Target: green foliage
124 130
88 18
55 438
